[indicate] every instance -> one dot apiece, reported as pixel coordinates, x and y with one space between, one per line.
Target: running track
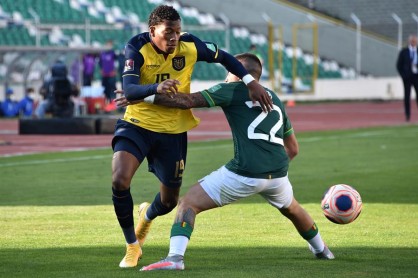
304 117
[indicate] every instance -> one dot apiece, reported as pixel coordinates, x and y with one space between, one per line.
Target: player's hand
258 93
168 86
121 100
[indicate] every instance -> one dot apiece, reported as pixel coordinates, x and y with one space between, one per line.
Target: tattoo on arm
187 216
182 101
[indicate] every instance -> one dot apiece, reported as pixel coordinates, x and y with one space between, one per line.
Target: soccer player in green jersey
264 143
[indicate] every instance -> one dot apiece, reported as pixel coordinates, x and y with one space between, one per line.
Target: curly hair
162 13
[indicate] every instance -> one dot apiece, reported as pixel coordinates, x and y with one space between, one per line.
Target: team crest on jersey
179 62
129 65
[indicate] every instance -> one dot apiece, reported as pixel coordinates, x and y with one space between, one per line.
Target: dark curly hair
161 13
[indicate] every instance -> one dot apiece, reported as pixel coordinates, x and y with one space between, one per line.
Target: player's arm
182 101
210 53
131 78
291 145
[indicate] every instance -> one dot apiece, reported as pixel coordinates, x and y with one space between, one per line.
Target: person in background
108 70
89 65
26 104
9 107
57 91
407 66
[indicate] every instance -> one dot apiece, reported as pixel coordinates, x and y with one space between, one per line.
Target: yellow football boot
143 226
133 253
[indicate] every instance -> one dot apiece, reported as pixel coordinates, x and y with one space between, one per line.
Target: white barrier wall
326 89
337 89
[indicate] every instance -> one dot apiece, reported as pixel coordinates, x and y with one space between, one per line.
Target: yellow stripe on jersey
208 98
288 132
155 69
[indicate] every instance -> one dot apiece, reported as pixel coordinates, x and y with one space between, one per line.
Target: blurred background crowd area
310 49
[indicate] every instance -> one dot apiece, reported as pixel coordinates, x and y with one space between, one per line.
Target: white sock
317 243
178 245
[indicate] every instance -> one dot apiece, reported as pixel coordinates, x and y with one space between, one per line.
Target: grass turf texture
57 219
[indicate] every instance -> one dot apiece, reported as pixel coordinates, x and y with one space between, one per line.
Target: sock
157 208
314 238
180 236
123 204
178 245
129 234
317 243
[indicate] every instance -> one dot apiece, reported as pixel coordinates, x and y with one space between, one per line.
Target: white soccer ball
341 204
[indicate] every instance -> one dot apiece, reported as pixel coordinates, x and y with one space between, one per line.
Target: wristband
149 99
247 79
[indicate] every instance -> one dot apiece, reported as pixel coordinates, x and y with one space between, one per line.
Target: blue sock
157 208
124 206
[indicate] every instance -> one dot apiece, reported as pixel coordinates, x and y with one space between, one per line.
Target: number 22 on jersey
271 137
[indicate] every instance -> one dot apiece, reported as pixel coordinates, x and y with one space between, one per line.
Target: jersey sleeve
131 76
287 125
217 95
209 52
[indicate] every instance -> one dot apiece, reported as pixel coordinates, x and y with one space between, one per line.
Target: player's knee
186 203
120 181
291 210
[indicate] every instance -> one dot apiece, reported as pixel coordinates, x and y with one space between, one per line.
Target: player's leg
217 189
126 159
124 166
279 194
164 202
195 201
167 161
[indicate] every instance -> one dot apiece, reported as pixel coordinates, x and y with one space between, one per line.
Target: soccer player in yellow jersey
160 61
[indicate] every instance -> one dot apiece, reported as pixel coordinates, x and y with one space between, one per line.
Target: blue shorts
166 153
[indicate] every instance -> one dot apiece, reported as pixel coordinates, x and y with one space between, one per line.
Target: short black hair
251 63
161 13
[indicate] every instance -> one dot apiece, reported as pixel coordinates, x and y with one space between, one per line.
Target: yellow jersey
144 60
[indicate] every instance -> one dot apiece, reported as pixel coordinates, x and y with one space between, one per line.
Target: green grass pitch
57 219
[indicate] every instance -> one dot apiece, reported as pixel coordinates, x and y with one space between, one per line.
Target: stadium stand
378 20
63 24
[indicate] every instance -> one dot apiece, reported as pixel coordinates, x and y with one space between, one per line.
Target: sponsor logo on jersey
179 62
152 66
134 120
129 65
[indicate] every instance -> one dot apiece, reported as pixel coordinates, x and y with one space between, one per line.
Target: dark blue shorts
166 153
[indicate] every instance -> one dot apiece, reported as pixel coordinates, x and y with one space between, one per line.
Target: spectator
26 105
57 92
407 66
108 71
89 65
9 107
75 71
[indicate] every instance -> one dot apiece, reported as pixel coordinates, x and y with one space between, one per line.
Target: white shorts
225 187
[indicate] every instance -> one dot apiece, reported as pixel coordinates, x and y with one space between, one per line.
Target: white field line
210 147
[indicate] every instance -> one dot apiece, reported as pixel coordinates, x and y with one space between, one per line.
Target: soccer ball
341 204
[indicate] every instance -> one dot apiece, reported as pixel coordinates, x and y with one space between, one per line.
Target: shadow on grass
212 262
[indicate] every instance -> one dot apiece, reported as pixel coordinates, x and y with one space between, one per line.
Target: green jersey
258 137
